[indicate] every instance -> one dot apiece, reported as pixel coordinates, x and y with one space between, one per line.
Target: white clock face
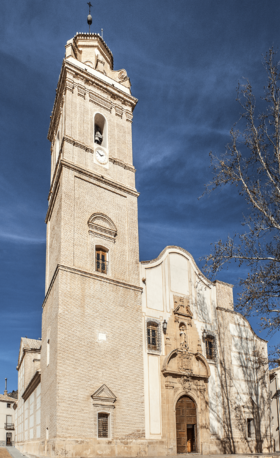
101 156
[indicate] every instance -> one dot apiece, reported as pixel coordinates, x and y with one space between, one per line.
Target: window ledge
154 352
212 361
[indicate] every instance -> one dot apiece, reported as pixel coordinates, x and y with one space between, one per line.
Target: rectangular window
152 336
101 261
103 425
249 427
210 347
8 405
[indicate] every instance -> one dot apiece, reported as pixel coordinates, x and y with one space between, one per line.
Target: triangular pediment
104 394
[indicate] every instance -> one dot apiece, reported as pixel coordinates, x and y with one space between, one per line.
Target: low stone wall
94 447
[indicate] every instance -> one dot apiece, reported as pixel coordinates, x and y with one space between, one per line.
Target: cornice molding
32 385
122 164
94 276
93 176
27 350
87 148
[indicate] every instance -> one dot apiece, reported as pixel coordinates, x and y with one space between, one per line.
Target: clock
101 156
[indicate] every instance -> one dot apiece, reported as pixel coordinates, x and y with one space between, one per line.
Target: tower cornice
96 178
77 75
91 275
89 36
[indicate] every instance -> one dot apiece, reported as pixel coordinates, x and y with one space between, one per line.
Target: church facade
136 358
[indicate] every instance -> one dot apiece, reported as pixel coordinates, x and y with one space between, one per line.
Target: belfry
136 358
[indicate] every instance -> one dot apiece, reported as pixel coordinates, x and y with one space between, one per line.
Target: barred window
210 347
103 425
249 427
101 260
152 336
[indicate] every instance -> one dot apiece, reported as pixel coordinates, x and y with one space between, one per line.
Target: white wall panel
179 274
154 288
154 394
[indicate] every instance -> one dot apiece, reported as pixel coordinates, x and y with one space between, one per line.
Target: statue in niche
183 335
98 137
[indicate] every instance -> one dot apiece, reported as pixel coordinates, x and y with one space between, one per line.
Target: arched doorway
186 425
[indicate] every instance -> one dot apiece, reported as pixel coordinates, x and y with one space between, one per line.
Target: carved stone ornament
186 383
200 386
186 361
102 226
182 308
122 75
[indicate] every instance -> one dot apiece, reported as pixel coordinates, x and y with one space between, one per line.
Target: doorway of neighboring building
186 425
8 438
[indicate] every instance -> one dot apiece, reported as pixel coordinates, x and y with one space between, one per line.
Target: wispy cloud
16 238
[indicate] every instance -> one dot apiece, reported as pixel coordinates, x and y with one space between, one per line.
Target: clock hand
100 153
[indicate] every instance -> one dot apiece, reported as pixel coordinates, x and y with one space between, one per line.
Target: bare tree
251 162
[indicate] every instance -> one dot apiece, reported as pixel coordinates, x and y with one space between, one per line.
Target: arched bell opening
100 130
186 425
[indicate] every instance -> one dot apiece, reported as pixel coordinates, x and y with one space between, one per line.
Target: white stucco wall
6 416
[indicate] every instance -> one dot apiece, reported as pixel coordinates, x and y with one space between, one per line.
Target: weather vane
89 18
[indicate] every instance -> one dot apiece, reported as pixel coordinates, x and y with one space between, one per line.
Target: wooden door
185 425
8 439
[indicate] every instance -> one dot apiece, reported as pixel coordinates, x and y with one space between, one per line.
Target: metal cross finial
89 18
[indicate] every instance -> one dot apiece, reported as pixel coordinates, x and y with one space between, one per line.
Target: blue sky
184 59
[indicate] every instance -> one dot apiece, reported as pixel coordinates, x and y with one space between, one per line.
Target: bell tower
92 350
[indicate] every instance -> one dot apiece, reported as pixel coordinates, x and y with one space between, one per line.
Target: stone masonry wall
89 307
224 295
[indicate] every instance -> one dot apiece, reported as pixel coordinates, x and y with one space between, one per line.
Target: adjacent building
275 407
136 358
7 423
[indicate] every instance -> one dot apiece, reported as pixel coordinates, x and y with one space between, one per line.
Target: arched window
100 130
153 336
103 424
101 260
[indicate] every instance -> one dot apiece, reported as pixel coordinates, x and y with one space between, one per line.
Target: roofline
95 35
26 350
223 283
242 316
276 369
184 252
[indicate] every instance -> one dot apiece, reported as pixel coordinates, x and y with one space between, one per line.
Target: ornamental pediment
104 394
181 362
182 306
102 226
